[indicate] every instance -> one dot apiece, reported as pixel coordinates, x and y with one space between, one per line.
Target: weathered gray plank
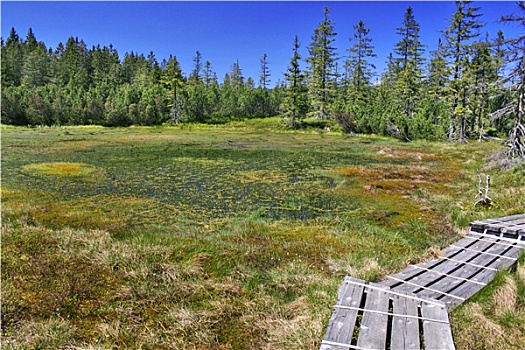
417 276
509 227
497 240
483 275
464 242
372 333
480 244
405 331
486 275
495 225
506 218
342 323
407 273
473 265
437 335
428 278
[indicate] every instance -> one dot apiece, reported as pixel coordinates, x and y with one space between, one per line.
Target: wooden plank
487 275
451 274
436 335
510 226
458 287
517 221
419 277
430 278
501 240
515 228
472 266
373 329
437 284
464 242
482 225
506 218
404 274
497 240
342 323
479 244
405 331
480 275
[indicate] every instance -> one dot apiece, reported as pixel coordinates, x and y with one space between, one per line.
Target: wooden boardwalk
409 310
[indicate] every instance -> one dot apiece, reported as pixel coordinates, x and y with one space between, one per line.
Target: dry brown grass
52 333
432 253
389 152
362 269
505 297
496 319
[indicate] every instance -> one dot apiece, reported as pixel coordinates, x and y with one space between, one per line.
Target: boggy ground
222 237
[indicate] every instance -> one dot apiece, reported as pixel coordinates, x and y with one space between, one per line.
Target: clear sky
225 32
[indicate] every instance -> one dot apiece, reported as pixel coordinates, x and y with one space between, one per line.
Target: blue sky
225 32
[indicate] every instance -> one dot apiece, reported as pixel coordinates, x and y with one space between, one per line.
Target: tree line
76 85
470 86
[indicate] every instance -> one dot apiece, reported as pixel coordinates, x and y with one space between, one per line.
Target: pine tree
264 77
295 103
322 64
464 27
410 59
358 71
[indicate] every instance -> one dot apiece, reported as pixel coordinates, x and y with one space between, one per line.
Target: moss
216 233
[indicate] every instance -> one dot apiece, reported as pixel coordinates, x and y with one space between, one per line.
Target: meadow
231 236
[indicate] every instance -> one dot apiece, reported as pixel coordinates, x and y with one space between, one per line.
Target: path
409 310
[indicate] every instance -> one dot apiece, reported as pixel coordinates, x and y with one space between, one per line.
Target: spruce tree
322 66
12 58
237 79
173 80
295 102
36 69
195 76
481 75
410 59
264 77
464 28
358 70
209 76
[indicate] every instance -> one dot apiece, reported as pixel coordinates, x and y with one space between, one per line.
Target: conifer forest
155 201
470 87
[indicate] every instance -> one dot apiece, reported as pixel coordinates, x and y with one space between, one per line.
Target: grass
232 236
494 318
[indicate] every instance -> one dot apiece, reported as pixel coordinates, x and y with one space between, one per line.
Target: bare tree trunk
517 135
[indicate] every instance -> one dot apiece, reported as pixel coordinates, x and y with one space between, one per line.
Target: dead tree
483 193
515 80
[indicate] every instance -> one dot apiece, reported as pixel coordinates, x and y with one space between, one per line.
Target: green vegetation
468 89
231 236
494 318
